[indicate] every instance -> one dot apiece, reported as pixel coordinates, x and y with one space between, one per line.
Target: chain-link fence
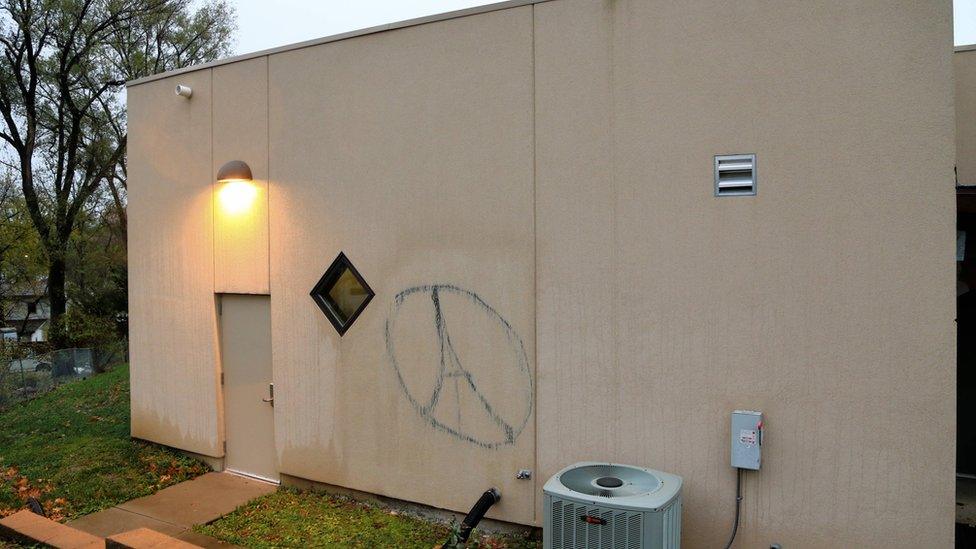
28 371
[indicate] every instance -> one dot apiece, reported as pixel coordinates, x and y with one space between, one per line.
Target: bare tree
62 70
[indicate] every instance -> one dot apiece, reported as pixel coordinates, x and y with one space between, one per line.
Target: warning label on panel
748 437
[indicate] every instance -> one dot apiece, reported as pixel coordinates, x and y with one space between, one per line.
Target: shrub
77 328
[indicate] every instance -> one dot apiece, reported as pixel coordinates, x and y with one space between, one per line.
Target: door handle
270 399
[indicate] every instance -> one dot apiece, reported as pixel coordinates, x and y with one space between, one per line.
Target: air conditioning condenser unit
607 505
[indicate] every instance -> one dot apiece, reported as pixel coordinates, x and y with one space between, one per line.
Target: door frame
223 391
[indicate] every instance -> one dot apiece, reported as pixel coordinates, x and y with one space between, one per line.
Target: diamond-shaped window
342 294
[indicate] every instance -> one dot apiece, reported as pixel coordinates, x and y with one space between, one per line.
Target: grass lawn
71 450
293 518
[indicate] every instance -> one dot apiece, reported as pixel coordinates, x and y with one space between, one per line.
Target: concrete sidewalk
175 510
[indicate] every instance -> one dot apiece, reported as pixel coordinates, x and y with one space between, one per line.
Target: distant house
26 312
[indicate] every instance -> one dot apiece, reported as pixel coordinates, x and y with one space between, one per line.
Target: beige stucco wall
545 172
172 317
240 131
825 301
964 69
422 174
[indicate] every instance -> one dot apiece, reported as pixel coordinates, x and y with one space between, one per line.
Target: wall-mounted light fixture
237 193
184 91
235 170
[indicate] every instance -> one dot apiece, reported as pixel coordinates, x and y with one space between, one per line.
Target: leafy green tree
63 66
21 254
97 275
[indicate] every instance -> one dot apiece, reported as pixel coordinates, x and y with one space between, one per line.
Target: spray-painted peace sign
460 364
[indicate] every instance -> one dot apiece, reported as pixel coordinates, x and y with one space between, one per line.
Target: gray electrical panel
747 435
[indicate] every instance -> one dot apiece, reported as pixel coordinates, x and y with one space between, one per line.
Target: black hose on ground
489 498
36 507
738 501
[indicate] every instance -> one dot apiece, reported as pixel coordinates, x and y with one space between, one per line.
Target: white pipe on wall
184 91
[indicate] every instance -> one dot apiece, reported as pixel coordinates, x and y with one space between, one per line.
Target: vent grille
735 175
619 529
672 525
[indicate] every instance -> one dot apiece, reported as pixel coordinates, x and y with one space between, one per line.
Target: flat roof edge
967 47
456 14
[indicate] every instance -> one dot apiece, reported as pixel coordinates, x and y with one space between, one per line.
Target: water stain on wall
460 364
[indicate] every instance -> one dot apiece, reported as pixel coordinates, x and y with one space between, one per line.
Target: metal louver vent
672 525
557 521
578 526
634 538
735 175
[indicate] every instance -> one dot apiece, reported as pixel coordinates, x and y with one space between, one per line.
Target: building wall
240 130
825 301
964 70
541 176
421 174
172 314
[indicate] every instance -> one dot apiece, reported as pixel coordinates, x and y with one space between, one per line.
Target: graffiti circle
460 364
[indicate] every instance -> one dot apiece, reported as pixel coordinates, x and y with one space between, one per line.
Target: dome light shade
235 170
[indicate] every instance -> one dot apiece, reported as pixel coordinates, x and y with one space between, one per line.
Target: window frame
320 293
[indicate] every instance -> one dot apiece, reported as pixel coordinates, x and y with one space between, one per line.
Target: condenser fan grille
610 481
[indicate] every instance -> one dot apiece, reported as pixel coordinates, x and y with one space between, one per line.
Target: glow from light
236 196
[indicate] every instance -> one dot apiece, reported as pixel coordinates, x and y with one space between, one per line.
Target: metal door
245 345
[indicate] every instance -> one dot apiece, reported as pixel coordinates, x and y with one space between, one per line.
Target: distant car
23 365
29 365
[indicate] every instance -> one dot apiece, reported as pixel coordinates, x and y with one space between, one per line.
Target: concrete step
33 528
26 526
144 538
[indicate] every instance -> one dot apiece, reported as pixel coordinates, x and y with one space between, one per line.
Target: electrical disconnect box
747 435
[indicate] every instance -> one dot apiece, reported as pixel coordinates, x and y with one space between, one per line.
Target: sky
267 24
964 21
264 24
